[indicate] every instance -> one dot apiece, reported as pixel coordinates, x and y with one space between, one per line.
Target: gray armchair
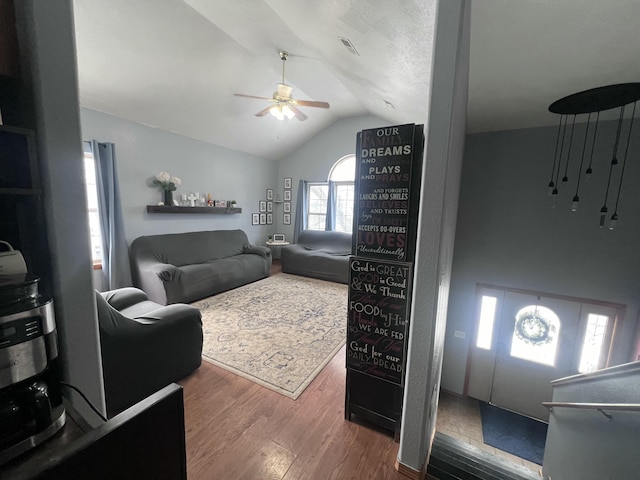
145 346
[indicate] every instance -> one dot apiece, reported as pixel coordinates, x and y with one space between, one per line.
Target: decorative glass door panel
536 344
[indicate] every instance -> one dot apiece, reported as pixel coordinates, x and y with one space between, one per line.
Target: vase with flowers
168 184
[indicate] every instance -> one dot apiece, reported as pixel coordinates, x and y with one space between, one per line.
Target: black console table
144 442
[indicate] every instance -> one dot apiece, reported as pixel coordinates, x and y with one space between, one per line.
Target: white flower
163 177
166 181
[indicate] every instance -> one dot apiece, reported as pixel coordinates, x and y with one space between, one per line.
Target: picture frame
287 195
278 238
269 218
287 207
263 219
287 183
269 206
269 193
255 219
286 219
263 206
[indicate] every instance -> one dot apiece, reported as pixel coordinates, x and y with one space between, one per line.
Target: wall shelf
209 210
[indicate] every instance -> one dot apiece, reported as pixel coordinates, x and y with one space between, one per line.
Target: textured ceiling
175 64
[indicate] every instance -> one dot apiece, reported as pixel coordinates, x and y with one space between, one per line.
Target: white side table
275 248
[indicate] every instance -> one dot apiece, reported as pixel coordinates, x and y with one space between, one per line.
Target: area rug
279 332
516 434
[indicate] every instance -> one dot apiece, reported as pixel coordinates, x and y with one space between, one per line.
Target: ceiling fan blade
251 96
311 103
263 112
299 115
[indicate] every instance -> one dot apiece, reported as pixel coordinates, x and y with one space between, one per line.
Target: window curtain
300 223
116 271
332 196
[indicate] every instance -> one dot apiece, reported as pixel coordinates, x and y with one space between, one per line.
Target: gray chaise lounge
184 267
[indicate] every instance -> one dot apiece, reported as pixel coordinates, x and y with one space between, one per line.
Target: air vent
348 45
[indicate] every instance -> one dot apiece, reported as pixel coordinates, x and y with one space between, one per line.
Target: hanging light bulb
574 203
603 215
613 223
551 185
276 111
281 112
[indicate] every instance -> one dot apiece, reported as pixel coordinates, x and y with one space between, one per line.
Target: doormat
516 434
279 332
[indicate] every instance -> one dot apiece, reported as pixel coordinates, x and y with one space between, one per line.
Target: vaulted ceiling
175 64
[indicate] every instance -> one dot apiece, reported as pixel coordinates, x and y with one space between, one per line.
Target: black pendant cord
614 161
614 158
555 154
593 145
564 131
584 148
624 160
566 167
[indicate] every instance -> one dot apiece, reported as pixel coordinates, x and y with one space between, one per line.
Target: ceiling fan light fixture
281 112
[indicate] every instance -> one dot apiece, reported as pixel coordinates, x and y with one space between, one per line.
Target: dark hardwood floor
236 429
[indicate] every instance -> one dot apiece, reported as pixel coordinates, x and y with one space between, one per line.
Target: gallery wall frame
286 219
287 183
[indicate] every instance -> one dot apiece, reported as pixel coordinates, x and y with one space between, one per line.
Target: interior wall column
444 148
48 46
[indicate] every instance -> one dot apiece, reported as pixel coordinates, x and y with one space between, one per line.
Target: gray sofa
319 254
183 267
145 346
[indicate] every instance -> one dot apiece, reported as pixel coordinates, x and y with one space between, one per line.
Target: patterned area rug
279 332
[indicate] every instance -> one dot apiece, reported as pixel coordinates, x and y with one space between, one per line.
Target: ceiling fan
285 106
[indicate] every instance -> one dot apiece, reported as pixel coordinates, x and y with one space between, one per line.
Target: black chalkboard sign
388 164
377 325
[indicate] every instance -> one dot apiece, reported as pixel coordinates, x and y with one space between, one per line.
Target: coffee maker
31 407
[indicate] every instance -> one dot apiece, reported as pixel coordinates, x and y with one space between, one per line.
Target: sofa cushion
192 247
333 243
319 254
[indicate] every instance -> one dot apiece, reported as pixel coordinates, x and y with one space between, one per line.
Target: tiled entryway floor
459 417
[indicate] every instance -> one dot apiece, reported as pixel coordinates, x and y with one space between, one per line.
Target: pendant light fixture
591 103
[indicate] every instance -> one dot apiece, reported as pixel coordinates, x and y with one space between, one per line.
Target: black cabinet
22 221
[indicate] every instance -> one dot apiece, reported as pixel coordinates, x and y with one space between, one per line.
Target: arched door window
535 335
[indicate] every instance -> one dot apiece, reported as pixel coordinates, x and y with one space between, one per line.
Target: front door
525 341
536 344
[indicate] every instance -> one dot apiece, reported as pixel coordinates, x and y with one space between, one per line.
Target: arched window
334 198
343 174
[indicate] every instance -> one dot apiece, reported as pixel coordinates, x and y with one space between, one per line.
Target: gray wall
143 151
508 235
